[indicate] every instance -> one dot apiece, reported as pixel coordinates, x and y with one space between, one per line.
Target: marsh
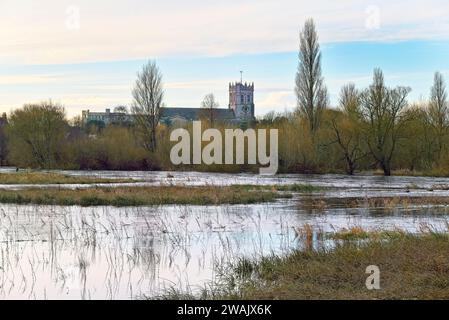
108 252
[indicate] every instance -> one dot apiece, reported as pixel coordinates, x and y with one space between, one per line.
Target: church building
240 109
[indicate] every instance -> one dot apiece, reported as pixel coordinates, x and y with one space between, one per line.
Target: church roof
192 114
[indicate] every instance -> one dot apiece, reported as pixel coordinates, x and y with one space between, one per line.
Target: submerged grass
53 178
139 196
411 267
301 188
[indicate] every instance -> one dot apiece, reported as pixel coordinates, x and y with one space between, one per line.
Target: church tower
241 100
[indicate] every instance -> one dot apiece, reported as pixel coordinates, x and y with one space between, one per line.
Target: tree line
373 128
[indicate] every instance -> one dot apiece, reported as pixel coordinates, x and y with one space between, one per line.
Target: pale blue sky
86 55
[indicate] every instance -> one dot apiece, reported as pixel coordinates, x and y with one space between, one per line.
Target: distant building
107 117
182 116
241 100
241 108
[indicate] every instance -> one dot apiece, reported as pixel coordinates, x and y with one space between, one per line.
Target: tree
122 116
3 140
382 110
350 99
419 150
37 133
77 122
347 129
148 94
209 106
121 109
272 118
438 111
311 92
94 127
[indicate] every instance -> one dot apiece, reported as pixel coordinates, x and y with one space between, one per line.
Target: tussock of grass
137 196
358 233
301 188
411 266
53 178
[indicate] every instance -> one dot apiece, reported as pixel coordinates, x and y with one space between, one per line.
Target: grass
53 178
140 196
358 233
301 188
411 267
386 204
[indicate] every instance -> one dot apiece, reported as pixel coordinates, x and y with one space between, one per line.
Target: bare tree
350 99
438 111
347 128
148 94
311 92
382 109
209 105
122 112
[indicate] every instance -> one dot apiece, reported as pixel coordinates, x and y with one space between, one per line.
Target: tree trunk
386 168
350 166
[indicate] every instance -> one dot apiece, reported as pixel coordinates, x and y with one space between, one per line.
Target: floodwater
337 185
53 252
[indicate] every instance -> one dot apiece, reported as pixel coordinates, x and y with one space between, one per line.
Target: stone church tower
241 100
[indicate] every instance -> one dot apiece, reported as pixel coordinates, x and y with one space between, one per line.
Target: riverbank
157 195
411 267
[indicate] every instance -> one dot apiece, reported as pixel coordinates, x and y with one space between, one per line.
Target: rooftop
195 113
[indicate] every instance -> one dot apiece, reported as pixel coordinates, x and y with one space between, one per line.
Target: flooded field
53 252
336 185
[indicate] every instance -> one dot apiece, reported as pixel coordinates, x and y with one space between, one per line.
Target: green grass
411 267
139 196
53 178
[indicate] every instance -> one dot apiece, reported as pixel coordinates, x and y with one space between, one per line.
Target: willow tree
148 94
37 135
383 114
311 92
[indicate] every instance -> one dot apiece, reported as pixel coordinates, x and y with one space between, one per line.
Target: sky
86 54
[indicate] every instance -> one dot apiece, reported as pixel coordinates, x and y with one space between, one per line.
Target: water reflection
49 252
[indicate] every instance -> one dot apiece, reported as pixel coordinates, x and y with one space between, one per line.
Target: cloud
277 100
28 79
198 85
51 31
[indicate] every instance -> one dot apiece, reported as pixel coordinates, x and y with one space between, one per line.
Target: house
106 118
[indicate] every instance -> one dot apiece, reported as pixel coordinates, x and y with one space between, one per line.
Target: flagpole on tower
241 76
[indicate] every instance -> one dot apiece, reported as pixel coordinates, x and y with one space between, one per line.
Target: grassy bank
139 196
411 267
53 178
